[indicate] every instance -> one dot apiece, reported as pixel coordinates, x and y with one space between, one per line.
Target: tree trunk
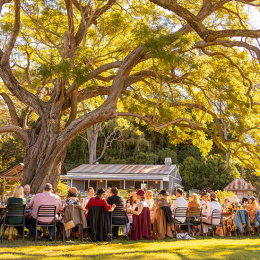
41 164
92 134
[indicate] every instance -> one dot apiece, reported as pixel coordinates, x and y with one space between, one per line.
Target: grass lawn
209 248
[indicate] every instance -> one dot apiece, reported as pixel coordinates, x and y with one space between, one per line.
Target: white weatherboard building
125 176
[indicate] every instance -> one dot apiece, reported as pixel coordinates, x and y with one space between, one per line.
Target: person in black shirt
120 204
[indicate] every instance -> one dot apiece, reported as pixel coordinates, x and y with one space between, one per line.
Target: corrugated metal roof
163 177
120 169
239 184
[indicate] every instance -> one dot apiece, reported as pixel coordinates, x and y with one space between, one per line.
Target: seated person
204 199
27 195
212 205
99 200
119 201
72 198
16 199
44 198
226 203
141 226
108 193
90 195
163 224
244 202
180 202
194 202
132 201
142 203
149 199
232 209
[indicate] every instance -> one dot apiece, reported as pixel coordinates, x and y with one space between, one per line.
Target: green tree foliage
208 172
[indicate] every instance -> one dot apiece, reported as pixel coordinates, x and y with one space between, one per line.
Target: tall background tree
183 70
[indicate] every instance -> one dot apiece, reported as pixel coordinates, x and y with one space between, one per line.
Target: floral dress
229 222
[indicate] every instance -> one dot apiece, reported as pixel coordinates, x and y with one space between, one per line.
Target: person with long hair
132 201
142 203
16 199
141 218
194 202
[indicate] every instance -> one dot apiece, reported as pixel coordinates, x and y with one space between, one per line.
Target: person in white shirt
213 204
91 193
179 202
204 201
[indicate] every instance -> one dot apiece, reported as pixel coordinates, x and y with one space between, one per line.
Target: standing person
204 197
212 205
179 202
252 208
16 199
91 193
27 195
44 198
120 204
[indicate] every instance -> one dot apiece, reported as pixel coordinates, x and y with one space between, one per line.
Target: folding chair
46 211
216 215
180 212
80 225
14 210
195 218
121 214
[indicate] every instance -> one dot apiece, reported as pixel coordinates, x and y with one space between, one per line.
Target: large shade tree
185 66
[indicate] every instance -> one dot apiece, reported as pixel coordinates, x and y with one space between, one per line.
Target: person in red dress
99 200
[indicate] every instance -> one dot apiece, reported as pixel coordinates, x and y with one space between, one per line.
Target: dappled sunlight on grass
231 249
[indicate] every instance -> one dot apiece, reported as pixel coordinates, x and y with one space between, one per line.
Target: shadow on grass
212 252
208 248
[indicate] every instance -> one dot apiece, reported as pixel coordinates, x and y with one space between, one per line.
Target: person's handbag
70 224
219 231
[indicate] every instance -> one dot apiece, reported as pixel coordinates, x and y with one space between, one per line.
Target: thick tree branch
88 19
74 105
17 130
93 74
11 108
2 2
229 44
72 42
10 45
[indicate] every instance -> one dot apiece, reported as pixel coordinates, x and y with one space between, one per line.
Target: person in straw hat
232 209
212 205
72 197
